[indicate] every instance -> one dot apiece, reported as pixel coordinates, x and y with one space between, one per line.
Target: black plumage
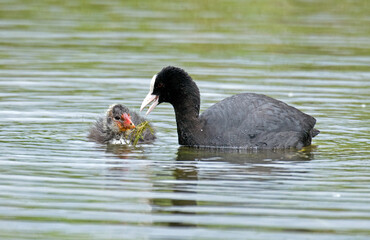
246 120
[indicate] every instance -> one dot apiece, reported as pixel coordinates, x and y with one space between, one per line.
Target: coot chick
115 127
246 120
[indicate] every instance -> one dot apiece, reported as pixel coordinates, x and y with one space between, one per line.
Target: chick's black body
245 120
105 129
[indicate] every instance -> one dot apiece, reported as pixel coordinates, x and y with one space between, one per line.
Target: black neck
187 116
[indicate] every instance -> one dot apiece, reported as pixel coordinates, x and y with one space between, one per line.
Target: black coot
115 126
245 120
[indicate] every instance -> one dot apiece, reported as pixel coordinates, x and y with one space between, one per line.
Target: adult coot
245 120
115 127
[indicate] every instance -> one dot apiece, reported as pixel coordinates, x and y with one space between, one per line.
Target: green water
62 63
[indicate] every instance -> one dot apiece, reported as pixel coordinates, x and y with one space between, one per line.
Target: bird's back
99 133
251 120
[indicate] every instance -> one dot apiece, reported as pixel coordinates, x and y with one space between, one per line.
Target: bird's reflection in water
186 177
121 151
258 162
188 168
242 156
198 170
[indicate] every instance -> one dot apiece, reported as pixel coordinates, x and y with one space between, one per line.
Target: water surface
63 63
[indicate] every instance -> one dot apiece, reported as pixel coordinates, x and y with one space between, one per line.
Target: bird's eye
117 117
160 85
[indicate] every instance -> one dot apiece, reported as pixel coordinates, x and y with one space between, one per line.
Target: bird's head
170 85
119 119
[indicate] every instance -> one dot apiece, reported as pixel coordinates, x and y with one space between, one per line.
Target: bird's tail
314 132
